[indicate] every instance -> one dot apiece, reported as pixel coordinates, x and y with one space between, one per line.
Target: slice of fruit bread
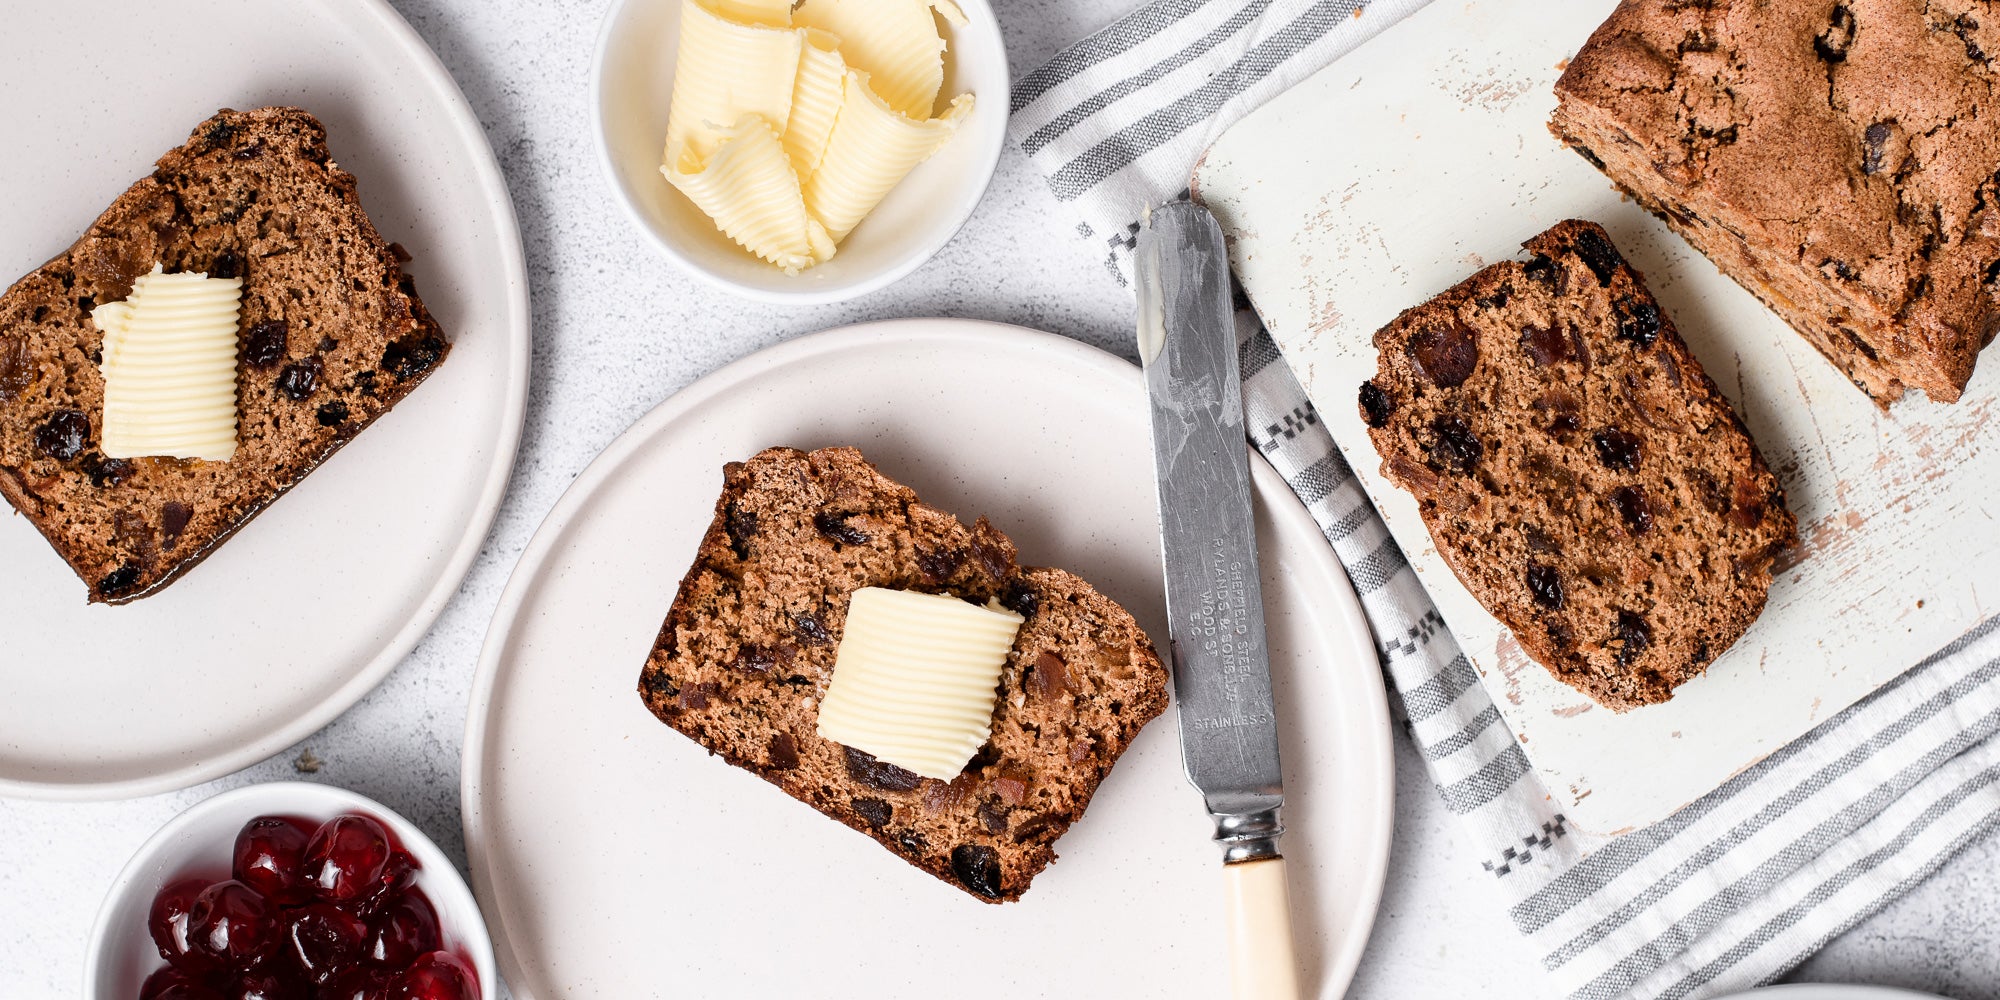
747 652
331 335
1577 468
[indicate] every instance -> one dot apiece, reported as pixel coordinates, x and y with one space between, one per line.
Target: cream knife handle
1261 965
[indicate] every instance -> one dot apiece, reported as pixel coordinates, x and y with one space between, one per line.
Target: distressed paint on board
1403 168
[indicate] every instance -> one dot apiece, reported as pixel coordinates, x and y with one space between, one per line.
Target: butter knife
1215 610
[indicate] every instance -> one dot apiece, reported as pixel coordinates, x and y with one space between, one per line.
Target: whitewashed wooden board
1424 155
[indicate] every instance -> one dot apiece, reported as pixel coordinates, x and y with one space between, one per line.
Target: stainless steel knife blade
1208 543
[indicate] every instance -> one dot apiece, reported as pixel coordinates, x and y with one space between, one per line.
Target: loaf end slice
747 651
1840 160
1577 469
332 334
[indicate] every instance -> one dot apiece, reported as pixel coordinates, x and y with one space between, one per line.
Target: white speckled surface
617 330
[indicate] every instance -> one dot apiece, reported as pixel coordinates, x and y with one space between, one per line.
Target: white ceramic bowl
632 78
198 842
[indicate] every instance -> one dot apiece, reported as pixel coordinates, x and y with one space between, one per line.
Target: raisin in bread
1838 158
748 647
332 336
1577 468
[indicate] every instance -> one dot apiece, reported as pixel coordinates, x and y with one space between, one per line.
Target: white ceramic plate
613 856
1828 991
316 600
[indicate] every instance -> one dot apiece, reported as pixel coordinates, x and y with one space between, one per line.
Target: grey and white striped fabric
1729 892
1119 117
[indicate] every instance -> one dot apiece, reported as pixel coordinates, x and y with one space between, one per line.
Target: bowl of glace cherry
289 891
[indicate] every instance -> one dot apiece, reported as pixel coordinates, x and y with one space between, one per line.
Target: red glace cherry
345 858
171 983
406 928
439 975
233 925
268 855
324 940
168 923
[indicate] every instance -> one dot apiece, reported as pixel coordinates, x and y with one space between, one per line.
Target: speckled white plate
316 600
614 857
1828 991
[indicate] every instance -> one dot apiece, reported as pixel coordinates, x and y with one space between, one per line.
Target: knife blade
1208 548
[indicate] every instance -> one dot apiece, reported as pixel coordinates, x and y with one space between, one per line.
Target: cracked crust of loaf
747 650
332 334
1577 469
1835 157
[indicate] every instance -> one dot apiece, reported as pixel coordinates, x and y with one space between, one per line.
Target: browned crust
1540 499
1837 158
210 199
739 712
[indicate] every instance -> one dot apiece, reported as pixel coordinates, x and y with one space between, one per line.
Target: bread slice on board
332 334
748 647
1577 468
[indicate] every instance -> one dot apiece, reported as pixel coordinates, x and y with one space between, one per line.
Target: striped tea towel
1727 893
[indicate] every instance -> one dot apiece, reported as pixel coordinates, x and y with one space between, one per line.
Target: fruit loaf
1838 158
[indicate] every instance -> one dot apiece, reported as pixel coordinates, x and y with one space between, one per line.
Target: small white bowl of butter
632 85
